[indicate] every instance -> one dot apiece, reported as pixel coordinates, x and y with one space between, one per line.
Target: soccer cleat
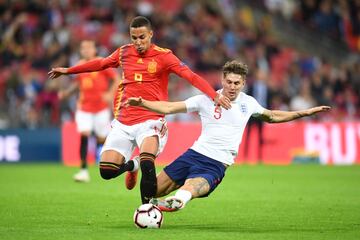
82 176
131 176
169 204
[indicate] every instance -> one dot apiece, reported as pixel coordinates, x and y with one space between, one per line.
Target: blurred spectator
304 98
338 19
260 91
326 20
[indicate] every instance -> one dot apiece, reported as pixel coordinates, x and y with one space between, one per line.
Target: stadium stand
323 57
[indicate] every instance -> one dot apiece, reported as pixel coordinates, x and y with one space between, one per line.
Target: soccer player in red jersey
93 114
146 68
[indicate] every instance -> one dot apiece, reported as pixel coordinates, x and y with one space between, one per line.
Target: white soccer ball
148 216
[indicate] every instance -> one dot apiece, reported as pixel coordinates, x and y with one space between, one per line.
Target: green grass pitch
40 201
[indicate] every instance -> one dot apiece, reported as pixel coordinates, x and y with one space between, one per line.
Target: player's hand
223 101
57 72
134 101
318 109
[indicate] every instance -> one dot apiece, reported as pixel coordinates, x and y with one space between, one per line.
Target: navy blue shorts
193 164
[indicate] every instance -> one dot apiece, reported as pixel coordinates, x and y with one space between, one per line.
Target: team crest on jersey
243 108
152 67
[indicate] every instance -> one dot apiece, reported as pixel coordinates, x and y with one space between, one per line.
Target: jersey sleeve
257 108
176 66
97 64
193 104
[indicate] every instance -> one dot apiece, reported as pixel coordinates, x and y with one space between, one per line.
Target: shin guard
148 184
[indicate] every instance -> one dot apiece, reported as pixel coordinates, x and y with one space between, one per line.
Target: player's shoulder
245 97
161 50
197 103
125 46
247 101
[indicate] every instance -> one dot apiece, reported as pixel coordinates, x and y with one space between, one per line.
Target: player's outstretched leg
148 182
131 176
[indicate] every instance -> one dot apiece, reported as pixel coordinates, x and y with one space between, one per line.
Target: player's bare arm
277 116
161 107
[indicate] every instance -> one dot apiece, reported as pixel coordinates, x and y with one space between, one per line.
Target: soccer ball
148 216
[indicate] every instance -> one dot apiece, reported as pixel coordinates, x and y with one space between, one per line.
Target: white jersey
222 129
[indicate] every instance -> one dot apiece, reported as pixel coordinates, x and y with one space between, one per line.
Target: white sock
184 195
136 165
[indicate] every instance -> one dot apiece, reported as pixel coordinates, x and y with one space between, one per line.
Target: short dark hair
140 21
235 67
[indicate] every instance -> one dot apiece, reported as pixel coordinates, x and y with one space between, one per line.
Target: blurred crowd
37 35
339 19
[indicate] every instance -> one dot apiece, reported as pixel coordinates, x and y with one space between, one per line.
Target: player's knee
147 156
109 170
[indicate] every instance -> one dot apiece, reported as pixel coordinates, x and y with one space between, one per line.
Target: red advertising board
333 143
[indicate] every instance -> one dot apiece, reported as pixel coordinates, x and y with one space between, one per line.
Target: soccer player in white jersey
201 168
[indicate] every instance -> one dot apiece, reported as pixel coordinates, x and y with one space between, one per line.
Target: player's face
232 85
141 38
87 50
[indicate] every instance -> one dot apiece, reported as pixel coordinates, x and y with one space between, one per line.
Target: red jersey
92 87
144 75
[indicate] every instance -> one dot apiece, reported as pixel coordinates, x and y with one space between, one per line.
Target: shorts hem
177 182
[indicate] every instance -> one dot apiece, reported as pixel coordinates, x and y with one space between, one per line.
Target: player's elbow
103 63
167 111
269 118
272 120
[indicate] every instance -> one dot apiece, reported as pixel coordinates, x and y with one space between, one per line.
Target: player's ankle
136 164
184 195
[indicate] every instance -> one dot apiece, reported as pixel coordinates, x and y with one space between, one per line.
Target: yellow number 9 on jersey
87 83
138 77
